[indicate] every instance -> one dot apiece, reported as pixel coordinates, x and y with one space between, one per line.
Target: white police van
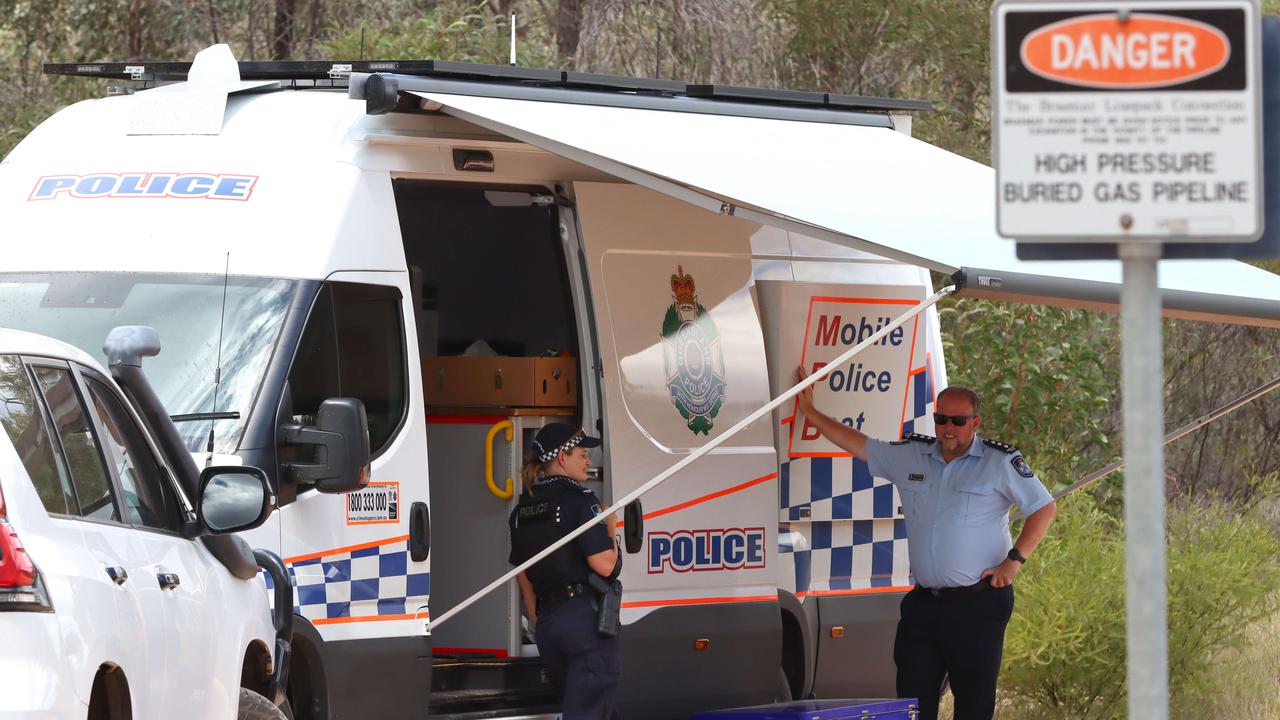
119 598
452 255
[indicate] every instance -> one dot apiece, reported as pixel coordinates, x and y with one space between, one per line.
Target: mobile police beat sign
1117 121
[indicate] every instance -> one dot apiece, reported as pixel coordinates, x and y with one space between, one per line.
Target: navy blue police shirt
575 505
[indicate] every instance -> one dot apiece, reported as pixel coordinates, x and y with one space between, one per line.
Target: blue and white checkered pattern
372 581
840 528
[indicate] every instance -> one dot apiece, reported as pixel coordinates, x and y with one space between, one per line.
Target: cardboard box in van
501 381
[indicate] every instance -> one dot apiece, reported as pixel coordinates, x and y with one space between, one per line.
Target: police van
438 258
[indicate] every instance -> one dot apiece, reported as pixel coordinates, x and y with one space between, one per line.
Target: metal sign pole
1143 385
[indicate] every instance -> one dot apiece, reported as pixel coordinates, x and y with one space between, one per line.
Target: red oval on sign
1148 51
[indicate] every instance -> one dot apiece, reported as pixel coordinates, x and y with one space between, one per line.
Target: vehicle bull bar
281 618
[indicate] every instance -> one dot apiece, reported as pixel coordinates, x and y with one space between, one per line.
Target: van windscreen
186 310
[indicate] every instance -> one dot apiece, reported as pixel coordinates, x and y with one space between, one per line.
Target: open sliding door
683 359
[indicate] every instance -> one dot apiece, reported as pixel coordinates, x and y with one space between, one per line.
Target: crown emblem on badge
692 356
683 288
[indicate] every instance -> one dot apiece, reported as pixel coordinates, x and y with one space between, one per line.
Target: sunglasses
941 419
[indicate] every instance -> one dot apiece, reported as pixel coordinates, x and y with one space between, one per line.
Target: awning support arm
693 456
1187 429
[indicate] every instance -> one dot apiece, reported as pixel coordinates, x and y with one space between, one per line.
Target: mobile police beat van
441 258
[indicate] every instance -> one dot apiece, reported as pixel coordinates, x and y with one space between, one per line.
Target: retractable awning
860 185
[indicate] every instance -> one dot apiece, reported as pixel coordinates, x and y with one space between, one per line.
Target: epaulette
1003 447
917 437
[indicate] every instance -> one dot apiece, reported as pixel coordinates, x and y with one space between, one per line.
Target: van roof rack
337 71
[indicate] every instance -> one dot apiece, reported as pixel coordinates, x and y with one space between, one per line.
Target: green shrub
462 30
1065 649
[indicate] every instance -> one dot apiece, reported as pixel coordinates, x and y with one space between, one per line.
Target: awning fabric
870 188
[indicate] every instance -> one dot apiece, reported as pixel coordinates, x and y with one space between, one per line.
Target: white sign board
1127 121
870 392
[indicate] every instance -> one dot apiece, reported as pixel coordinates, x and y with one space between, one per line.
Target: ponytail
529 473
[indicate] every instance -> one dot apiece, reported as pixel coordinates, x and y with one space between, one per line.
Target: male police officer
956 493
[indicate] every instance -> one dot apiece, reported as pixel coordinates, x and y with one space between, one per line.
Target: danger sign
1133 121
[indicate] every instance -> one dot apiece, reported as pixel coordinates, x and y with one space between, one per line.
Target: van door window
353 346
88 474
20 415
141 479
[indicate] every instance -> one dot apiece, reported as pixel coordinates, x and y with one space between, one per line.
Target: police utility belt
605 596
951 592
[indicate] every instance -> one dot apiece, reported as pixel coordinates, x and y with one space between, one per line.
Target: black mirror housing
633 527
341 437
233 498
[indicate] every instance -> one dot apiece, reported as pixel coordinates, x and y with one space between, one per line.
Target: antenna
513 38
217 371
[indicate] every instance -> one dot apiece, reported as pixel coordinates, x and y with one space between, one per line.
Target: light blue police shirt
957 513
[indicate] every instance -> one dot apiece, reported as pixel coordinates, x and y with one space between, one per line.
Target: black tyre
255 707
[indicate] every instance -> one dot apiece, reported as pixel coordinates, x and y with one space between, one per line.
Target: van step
471 687
482 705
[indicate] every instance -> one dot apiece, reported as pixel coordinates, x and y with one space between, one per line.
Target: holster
608 604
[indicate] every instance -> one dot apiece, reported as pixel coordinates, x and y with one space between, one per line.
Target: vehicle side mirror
633 527
341 437
233 498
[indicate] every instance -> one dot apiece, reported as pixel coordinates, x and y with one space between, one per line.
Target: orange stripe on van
705 498
346 549
856 591
366 618
700 601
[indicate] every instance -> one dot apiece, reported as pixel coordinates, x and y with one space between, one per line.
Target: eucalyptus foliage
1044 377
1065 646
458 30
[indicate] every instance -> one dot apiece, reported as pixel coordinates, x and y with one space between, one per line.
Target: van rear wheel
255 707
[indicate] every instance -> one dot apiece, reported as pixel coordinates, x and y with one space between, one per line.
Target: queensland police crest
692 356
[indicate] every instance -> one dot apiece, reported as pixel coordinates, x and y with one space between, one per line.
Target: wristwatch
1016 556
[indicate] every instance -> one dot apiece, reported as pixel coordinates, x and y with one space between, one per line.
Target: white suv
119 598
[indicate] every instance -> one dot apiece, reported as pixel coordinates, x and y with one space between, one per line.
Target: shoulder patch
927 439
1002 447
1019 464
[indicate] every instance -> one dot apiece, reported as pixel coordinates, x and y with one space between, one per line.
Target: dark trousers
960 636
584 665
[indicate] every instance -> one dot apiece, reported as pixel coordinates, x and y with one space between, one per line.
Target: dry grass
1248 681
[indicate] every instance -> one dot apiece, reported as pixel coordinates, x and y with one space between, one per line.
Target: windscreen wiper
188 417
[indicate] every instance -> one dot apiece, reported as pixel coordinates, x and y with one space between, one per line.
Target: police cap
555 438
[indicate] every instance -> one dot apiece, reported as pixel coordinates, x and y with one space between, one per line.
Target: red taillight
21 587
16 568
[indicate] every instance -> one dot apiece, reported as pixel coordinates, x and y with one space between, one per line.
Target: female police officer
583 664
